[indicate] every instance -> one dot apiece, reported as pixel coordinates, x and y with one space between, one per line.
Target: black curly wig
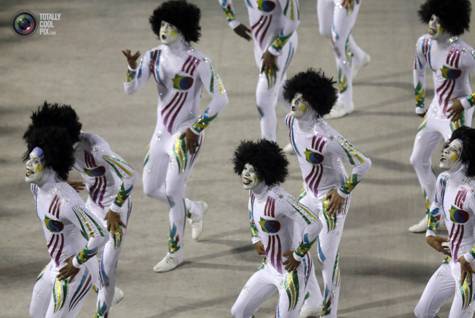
56 145
183 15
60 115
316 88
454 15
467 136
265 156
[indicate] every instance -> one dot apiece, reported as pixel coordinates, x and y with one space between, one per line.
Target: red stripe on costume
186 63
268 247
52 203
81 294
256 34
265 30
257 23
279 255
60 249
164 109
272 207
449 94
458 59
172 120
320 149
195 65
103 191
317 182
457 246
172 108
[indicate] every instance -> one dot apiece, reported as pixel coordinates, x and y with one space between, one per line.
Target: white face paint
168 33
450 157
35 166
435 29
299 106
249 177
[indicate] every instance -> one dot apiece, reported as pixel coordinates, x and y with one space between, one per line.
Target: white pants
268 95
108 256
53 298
336 23
443 285
328 244
263 283
166 169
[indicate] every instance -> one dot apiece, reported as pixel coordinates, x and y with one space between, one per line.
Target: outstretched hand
114 226
335 202
131 58
192 140
68 270
260 248
243 31
465 267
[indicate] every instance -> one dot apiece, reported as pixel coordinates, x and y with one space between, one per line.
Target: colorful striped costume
336 23
181 73
280 224
321 152
454 203
451 64
70 230
274 28
109 181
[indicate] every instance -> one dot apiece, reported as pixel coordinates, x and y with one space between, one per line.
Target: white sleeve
419 77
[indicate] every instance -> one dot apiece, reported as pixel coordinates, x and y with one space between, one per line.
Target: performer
336 19
274 32
181 72
454 203
281 230
321 152
109 181
73 234
451 61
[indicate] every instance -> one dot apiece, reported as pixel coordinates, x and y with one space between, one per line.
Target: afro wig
56 145
265 156
316 88
58 115
454 15
467 136
184 16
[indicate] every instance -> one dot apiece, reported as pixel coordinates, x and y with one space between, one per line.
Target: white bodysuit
181 73
69 230
451 64
281 225
322 152
274 26
109 181
454 203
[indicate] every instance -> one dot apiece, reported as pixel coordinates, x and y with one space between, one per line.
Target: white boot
196 219
118 295
339 110
357 66
169 262
419 227
309 312
289 150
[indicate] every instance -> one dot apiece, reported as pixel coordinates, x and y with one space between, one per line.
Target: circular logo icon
24 23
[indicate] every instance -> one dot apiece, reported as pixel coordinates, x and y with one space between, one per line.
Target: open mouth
163 37
246 181
29 172
432 31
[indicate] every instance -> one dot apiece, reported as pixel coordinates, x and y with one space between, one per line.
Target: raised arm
137 76
420 61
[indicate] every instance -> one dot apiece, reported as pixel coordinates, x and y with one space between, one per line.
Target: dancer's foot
169 262
358 65
196 219
419 227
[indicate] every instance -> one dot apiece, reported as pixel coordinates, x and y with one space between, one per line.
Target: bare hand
466 268
243 31
77 185
114 226
68 270
291 263
335 202
455 111
131 58
260 248
191 140
346 4
269 67
436 243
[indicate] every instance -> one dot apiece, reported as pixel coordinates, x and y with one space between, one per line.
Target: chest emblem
269 226
458 215
182 82
95 172
313 157
265 5
450 73
53 225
